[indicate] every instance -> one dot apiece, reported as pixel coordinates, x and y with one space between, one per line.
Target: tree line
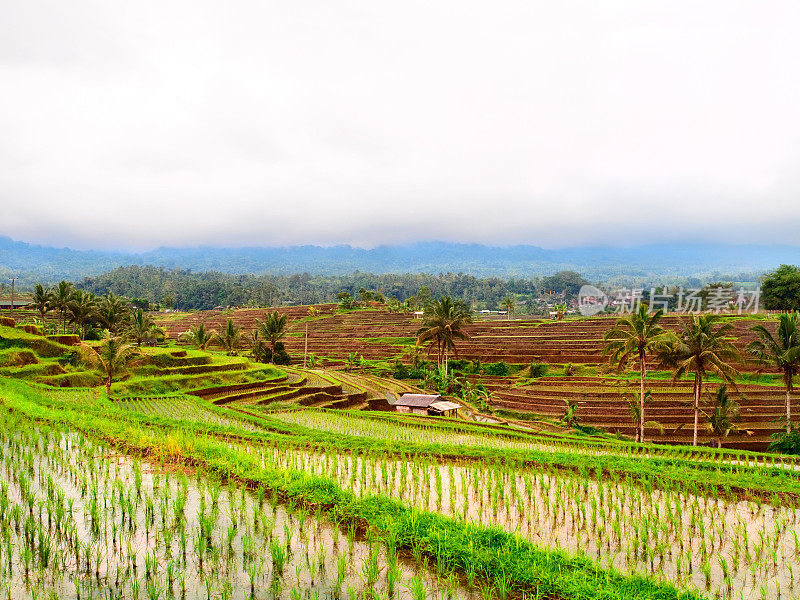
89 314
184 289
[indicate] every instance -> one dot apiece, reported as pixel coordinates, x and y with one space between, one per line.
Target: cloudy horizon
367 123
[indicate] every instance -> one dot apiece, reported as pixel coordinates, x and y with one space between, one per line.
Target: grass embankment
511 564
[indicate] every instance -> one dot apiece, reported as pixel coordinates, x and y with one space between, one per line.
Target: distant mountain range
743 262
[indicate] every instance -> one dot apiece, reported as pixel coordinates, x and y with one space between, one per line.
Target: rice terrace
367 449
375 300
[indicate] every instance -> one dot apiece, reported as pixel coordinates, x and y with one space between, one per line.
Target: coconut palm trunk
642 376
698 383
631 339
781 350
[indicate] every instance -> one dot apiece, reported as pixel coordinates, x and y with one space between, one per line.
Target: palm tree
781 351
443 324
113 312
82 309
722 419
112 358
42 300
142 327
62 294
509 304
635 411
701 348
199 337
635 337
259 349
272 328
230 338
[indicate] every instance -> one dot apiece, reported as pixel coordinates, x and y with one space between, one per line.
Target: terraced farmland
204 475
379 335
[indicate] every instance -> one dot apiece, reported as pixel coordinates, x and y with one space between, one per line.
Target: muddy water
79 521
728 548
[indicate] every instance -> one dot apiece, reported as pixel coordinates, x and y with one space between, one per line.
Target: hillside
257 480
49 264
572 349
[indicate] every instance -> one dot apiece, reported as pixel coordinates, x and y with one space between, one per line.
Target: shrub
417 373
90 334
498 369
400 371
787 443
280 356
72 358
459 365
536 370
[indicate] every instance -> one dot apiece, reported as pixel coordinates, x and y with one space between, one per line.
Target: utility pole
13 281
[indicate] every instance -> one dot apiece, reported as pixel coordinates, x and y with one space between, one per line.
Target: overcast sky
554 123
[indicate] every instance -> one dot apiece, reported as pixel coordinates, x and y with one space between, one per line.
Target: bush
498 369
787 443
280 356
536 370
400 371
90 334
459 365
72 358
417 373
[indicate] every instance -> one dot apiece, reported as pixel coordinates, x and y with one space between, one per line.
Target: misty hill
743 262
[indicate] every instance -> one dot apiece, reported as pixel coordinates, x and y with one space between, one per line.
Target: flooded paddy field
78 520
723 547
449 432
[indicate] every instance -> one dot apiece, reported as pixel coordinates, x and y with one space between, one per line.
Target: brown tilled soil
600 399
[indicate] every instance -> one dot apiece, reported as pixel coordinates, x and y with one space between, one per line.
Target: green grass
12 337
451 545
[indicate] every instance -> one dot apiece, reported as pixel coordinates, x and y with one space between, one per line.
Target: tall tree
62 295
443 323
42 300
230 337
780 351
113 312
635 411
82 309
723 416
259 349
509 304
272 328
701 348
199 336
780 290
141 327
636 337
112 358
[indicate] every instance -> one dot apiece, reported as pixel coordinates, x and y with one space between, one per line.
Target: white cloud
551 123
